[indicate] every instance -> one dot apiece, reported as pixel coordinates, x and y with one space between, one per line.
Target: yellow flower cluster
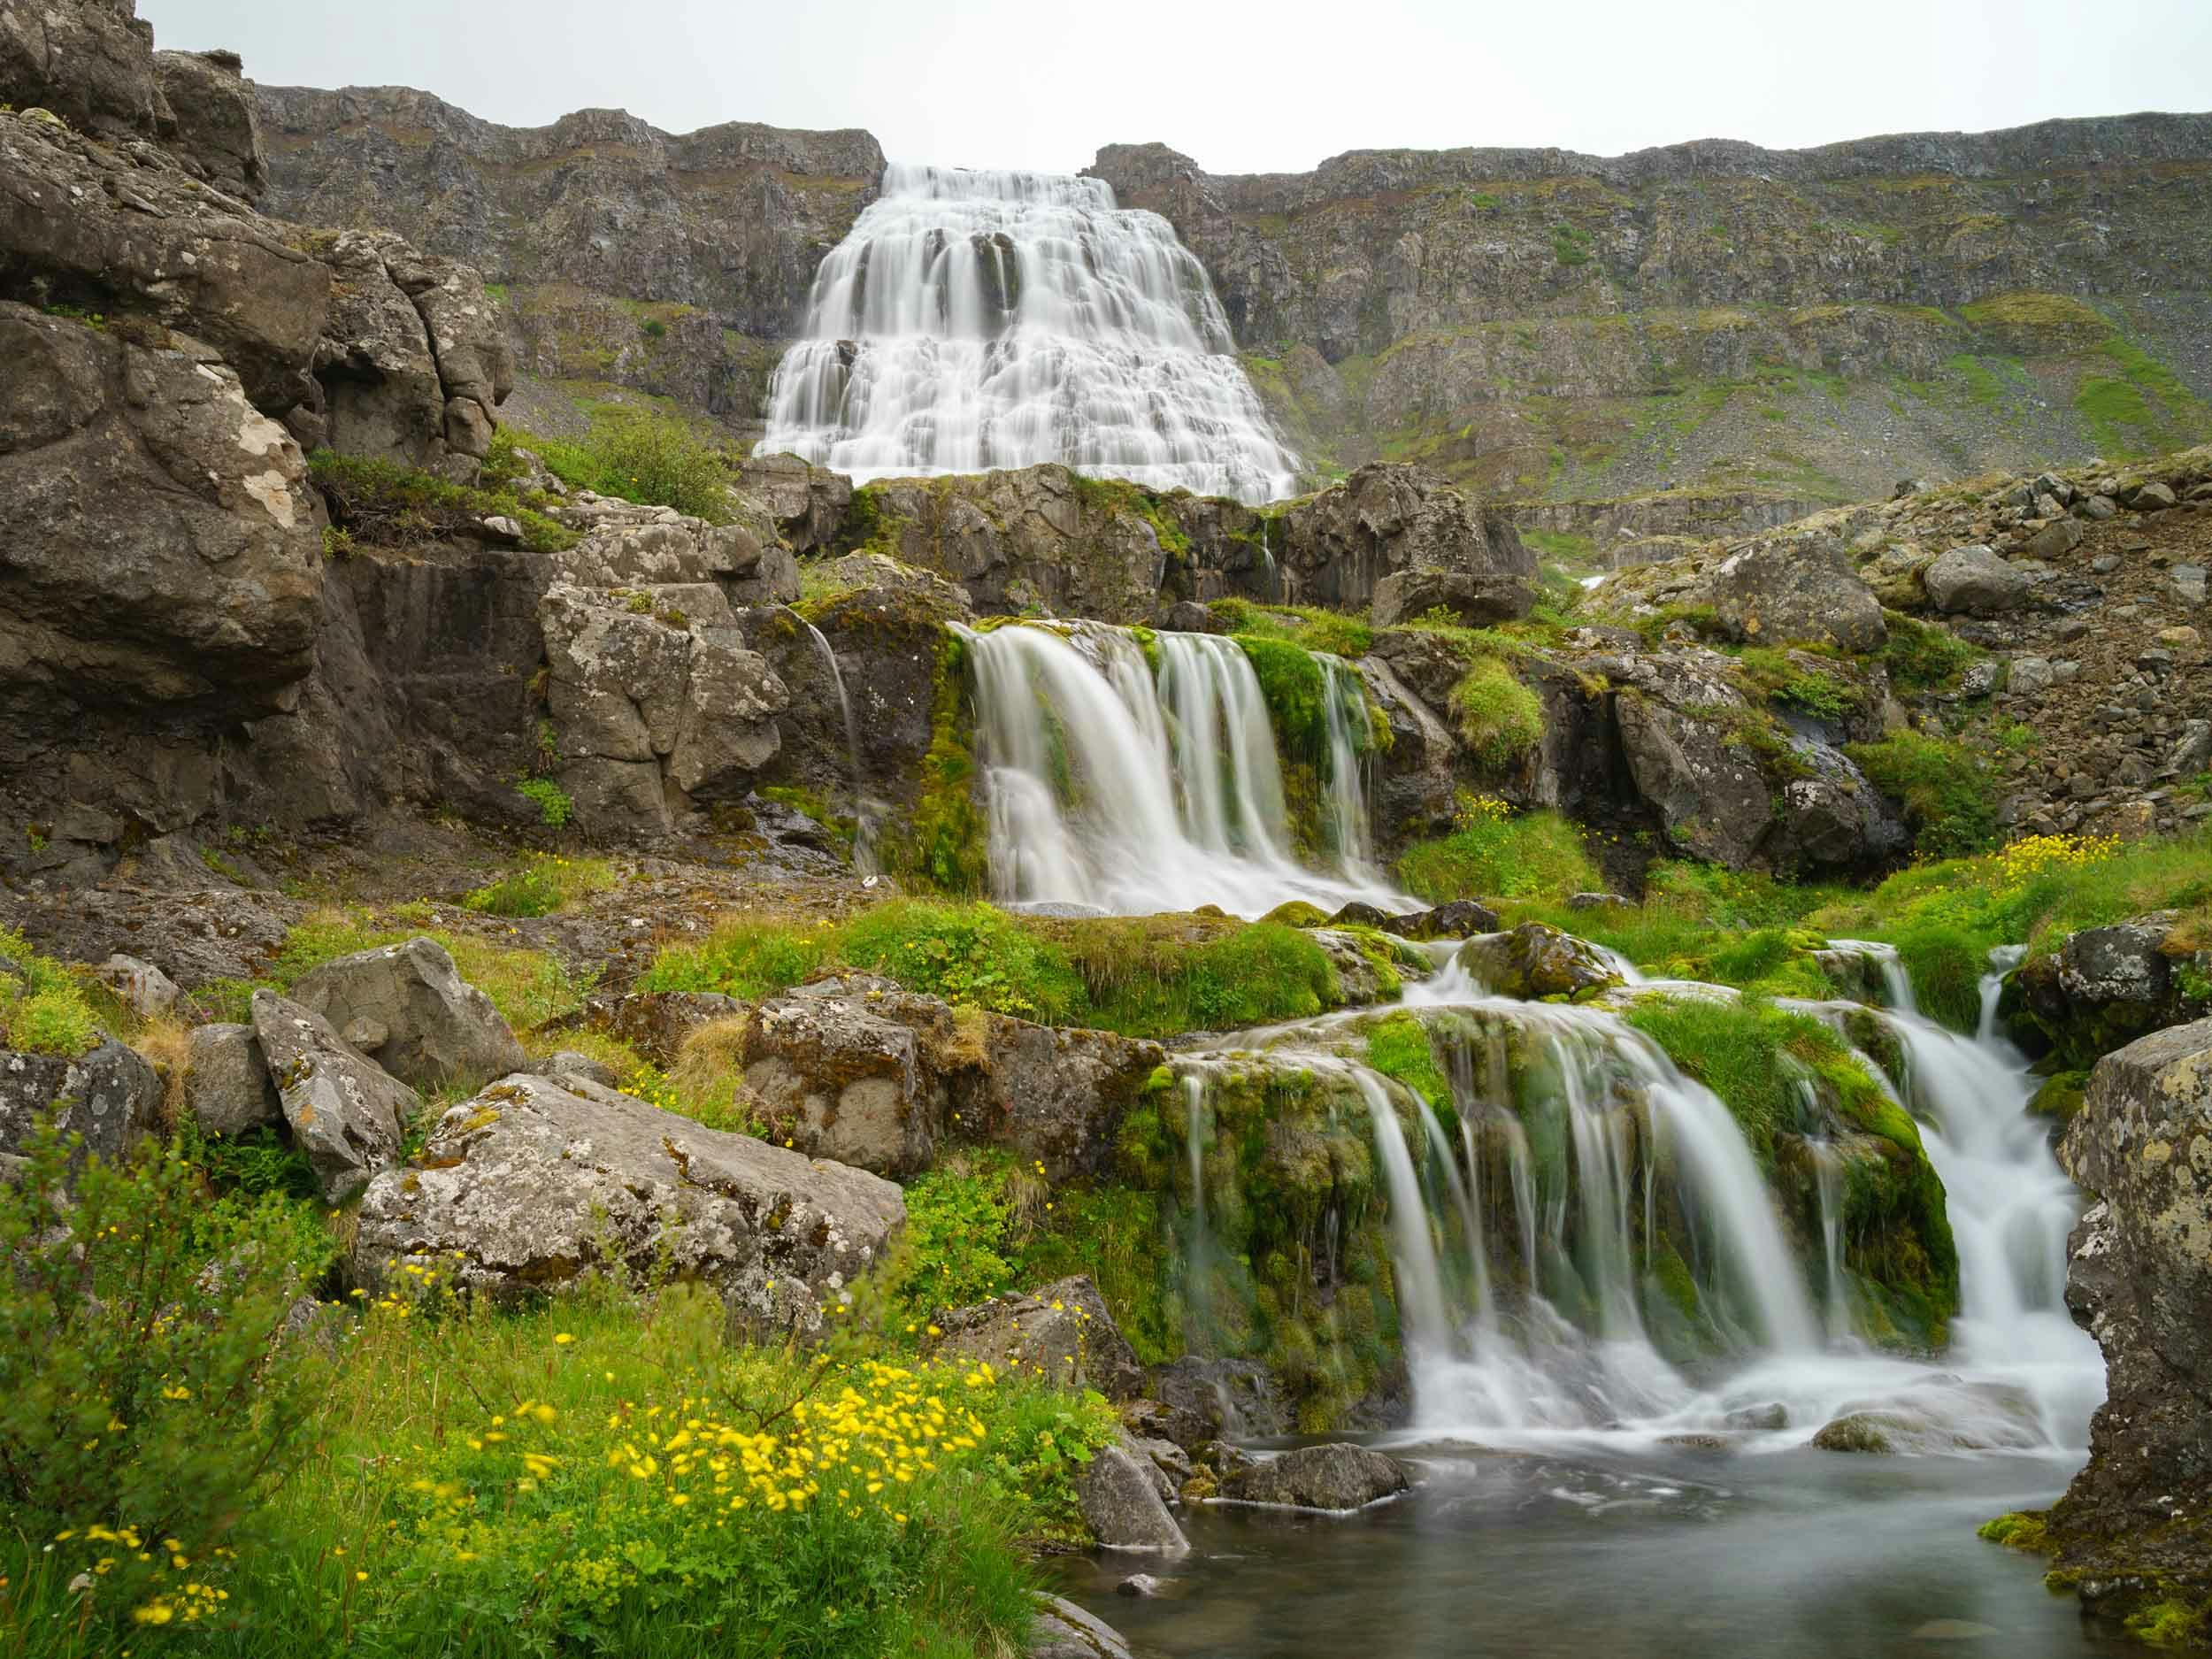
1479 811
189 1602
2035 855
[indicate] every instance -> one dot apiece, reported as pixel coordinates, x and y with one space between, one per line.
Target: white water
867 811
1114 788
1545 1330
973 321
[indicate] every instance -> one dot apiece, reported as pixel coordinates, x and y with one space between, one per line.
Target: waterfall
1121 786
1828 1187
974 320
866 811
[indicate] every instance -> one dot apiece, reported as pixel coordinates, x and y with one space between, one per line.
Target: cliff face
1816 321
675 264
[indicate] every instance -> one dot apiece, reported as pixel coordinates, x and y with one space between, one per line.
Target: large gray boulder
215 135
533 1183
1120 1499
2140 1282
347 1114
1061 1332
408 1009
227 1088
1336 1478
1797 588
1061 1629
1536 960
110 1095
1974 582
653 710
1711 800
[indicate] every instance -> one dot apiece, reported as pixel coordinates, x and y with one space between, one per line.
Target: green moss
1493 853
44 1008
2170 1622
1338 633
1944 963
1500 718
2023 1529
945 841
1295 691
1921 659
1946 790
1398 1047
2060 1097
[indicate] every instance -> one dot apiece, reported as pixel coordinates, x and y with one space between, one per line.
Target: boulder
1797 588
1833 819
346 1113
533 1183
1466 597
1974 582
1344 545
1462 918
227 1088
1336 1478
163 539
1121 1503
1061 1629
1061 1332
216 137
408 1009
1712 802
842 1081
110 1095
655 1023
1202 1400
807 503
91 65
652 711
2102 987
567 1063
1536 960
139 986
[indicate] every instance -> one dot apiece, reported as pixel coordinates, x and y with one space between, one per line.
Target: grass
634 454
618 1472
1492 853
1946 790
1500 718
543 885
377 503
1338 632
1149 976
43 1007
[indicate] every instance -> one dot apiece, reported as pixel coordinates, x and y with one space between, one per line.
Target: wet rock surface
1335 1478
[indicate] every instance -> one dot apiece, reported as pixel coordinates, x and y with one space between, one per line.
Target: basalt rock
227 1088
1802 587
1122 1505
1335 1478
407 1008
2102 988
1061 1332
533 1182
110 1095
1536 960
2128 1533
346 1113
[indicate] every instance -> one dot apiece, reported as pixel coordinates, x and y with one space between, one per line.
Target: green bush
1500 718
969 954
634 454
742 957
149 1401
1493 853
43 1006
555 805
1946 790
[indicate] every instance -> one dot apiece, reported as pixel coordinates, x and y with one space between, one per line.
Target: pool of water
1583 1550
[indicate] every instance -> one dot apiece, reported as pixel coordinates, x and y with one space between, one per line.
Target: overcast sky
1246 87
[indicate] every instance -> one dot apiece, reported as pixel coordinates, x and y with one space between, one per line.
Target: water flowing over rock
974 321
1182 801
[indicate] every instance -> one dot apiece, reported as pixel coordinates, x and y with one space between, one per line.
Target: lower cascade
1584 1243
1128 776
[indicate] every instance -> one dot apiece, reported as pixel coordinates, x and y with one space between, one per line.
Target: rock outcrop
1061 1332
533 1182
2131 1533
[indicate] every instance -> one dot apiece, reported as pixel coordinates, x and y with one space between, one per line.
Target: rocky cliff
1717 314
676 265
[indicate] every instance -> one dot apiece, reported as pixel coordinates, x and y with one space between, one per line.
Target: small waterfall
974 320
1120 786
1828 1184
1344 701
866 813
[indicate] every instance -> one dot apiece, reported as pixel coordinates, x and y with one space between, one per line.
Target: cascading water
1533 1268
866 811
1116 785
973 321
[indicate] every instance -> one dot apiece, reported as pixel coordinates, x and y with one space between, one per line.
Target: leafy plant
556 806
43 1009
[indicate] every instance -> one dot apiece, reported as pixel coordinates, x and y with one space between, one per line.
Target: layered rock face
1569 325
676 264
2131 1533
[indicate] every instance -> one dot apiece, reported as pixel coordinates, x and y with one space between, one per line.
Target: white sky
1247 88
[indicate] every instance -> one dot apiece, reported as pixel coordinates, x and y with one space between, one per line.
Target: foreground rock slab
533 1183
1121 1503
1336 1478
1064 1630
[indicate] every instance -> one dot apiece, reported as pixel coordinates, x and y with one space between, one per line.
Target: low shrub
969 954
1493 853
380 504
634 454
44 1008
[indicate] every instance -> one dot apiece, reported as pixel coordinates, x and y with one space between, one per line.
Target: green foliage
555 805
1944 963
742 957
379 504
1500 718
1777 675
147 1401
1493 853
1295 690
1312 626
1923 659
543 884
945 841
1570 244
969 954
43 1009
635 453
960 1245
1946 790
2026 1529
1398 1047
